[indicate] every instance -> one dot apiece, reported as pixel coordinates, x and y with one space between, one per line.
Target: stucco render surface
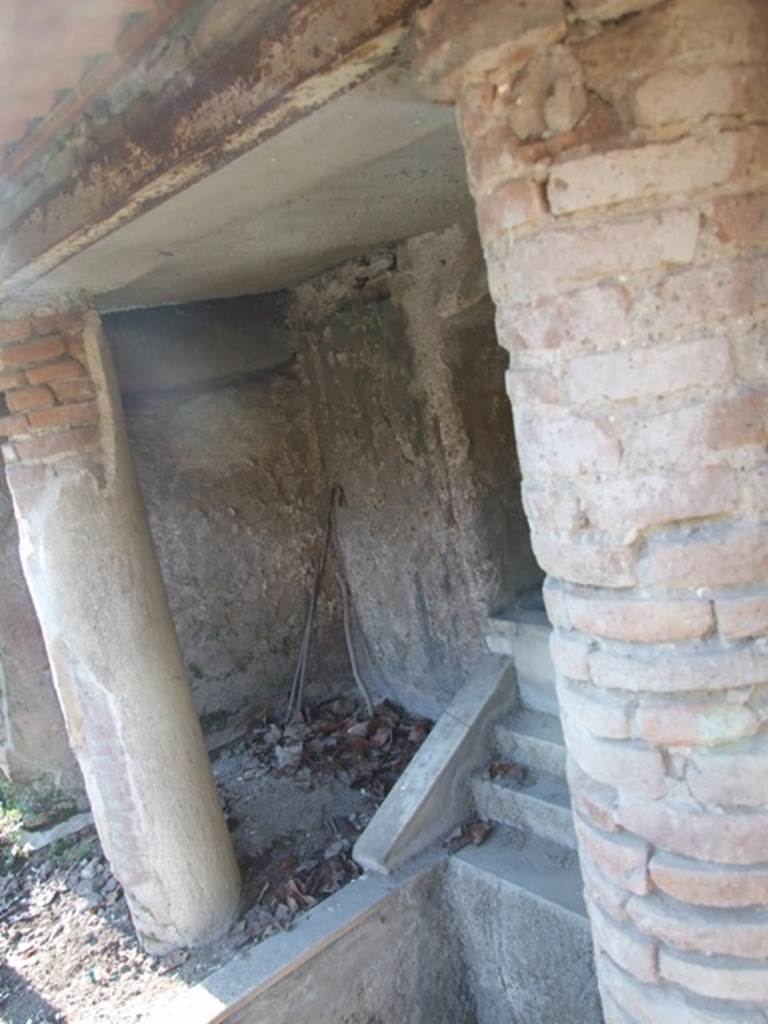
34 752
384 376
409 403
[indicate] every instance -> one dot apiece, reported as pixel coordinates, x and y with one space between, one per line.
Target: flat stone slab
434 794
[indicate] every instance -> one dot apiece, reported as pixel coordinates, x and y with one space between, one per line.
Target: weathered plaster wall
408 400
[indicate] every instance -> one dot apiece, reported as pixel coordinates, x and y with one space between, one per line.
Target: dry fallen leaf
511 771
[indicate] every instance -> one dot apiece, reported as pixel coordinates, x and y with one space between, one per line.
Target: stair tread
530 862
541 785
535 724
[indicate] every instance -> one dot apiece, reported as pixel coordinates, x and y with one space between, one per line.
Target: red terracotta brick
516 202
621 857
638 620
570 653
13 379
742 615
553 506
562 444
600 713
67 442
634 503
14 330
701 295
57 322
586 560
10 426
587 319
706 32
737 421
607 249
497 156
732 776
730 557
609 897
694 94
73 390
692 436
26 353
475 108
660 1004
627 947
610 10
532 386
633 768
662 169
704 930
554 595
679 671
716 977
65 416
27 399
742 219
62 369
594 801
735 837
648 372
709 885
695 723
76 348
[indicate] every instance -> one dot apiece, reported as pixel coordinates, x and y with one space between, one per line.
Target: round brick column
618 155
95 581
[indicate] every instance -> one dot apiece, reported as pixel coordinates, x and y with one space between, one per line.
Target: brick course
47 390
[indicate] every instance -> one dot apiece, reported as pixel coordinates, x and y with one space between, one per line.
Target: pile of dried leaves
336 739
67 947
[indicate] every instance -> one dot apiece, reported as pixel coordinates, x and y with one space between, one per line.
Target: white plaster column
94 577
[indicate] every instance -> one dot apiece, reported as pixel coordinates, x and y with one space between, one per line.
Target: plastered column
617 152
93 574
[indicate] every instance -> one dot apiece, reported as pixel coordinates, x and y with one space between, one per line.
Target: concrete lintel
433 795
300 58
229 991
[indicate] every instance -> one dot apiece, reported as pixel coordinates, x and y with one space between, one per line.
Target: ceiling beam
290 64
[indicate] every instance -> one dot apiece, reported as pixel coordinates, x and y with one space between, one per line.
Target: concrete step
532 738
519 913
540 805
522 634
546 869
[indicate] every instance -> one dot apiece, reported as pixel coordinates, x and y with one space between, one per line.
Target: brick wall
47 400
619 161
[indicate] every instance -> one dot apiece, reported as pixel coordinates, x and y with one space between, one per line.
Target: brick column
92 571
617 152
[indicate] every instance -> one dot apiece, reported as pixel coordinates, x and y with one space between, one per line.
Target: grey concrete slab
542 806
525 939
532 738
434 794
379 950
523 634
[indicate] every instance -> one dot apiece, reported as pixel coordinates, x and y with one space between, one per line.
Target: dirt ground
296 798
